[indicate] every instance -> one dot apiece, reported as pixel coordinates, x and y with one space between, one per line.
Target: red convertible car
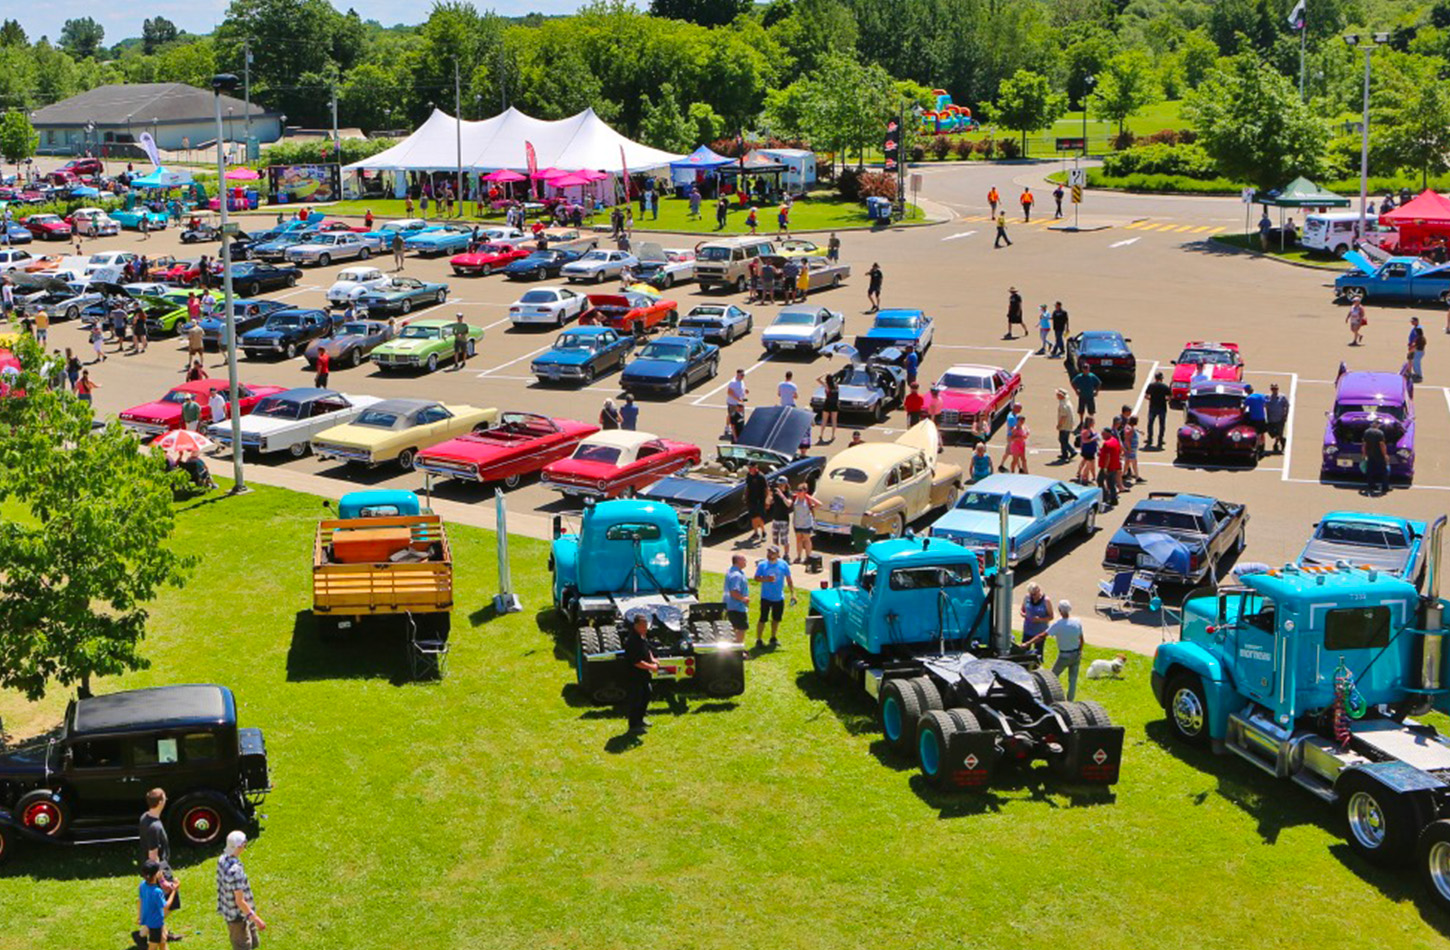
522 443
183 273
163 415
1213 362
47 227
975 400
486 259
616 462
630 312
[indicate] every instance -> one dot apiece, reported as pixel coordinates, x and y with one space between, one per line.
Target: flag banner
533 163
148 145
624 165
1296 16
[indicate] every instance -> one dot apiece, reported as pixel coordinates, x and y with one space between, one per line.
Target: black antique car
772 437
541 264
87 784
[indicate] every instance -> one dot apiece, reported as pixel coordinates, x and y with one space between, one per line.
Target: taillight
1194 560
1112 554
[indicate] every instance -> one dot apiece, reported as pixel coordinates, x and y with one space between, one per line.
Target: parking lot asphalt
1160 287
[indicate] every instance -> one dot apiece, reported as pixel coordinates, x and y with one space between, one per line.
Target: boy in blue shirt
153 904
773 573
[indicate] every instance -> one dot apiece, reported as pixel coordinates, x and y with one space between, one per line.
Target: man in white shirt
787 391
735 396
1067 631
218 406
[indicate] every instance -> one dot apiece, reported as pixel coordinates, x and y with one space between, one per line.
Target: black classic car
250 278
772 438
287 332
1201 532
86 785
1106 353
540 264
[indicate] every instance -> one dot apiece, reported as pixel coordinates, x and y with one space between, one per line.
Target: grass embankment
1296 254
491 811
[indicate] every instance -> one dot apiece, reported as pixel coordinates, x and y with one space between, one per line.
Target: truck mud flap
1092 754
971 759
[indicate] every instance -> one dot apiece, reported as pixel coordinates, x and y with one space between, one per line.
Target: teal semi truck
1315 674
923 626
629 555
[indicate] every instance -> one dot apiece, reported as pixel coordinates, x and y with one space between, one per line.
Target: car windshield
1155 518
796 318
603 454
494 249
101 258
178 396
989 501
354 329
538 296
421 333
596 256
575 341
1345 408
280 321
714 254
393 226
667 352
378 418
973 381
856 376
847 474
896 321
1215 401
324 239
1363 534
1102 344
276 408
1218 357
930 577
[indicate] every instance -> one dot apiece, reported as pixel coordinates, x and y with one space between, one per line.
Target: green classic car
172 320
401 295
423 344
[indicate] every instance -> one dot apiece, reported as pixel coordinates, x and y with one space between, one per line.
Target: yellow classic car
398 429
883 486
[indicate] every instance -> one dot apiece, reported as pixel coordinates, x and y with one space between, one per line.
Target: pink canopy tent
242 174
1423 221
504 176
544 174
593 175
572 180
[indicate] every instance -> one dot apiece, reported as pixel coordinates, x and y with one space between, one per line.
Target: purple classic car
1216 423
1362 399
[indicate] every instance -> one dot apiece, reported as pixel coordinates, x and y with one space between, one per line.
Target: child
1130 450
750 220
153 905
981 462
1017 445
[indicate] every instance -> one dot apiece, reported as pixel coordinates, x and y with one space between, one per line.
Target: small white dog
1107 669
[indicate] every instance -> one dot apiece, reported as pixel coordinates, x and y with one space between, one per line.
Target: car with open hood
287 421
353 282
397 430
547 306
772 438
423 345
286 333
885 486
402 295
83 299
541 265
1216 424
663 268
1386 543
1040 513
519 444
1208 530
869 388
1103 352
899 328
350 343
582 354
598 265
630 311
164 414
976 400
166 322
1363 399
803 329
615 462
487 258
669 366
1204 361
721 323
1397 280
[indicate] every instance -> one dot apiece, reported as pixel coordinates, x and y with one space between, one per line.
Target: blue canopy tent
696 167
163 178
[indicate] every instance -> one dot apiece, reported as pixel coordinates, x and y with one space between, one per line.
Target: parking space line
1023 361
1289 422
520 359
758 363
1340 483
295 291
1143 389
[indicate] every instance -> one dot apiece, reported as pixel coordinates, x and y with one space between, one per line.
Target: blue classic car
1384 542
1040 512
382 237
439 239
1400 279
250 278
670 365
275 249
897 328
582 354
287 332
130 219
401 295
1206 529
250 314
541 264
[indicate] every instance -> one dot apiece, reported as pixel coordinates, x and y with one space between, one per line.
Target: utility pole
458 131
247 93
336 140
227 83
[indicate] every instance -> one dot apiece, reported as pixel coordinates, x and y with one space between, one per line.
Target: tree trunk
83 691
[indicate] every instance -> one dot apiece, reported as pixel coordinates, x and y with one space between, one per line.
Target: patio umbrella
544 174
1165 551
593 175
571 180
504 176
184 440
242 174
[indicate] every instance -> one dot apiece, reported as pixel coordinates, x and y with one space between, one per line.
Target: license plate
1145 560
553 372
838 505
1345 463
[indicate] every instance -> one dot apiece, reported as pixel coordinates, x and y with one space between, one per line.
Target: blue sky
200 16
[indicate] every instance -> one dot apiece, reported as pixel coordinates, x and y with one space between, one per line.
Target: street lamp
220 83
1089 81
1367 43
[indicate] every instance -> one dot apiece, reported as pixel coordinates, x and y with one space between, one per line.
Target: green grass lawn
1298 255
493 811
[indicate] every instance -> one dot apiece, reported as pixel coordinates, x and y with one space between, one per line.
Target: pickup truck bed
417 579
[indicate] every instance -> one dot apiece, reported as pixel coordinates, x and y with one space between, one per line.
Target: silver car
598 266
803 329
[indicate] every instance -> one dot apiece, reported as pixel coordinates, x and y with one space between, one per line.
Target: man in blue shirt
912 362
628 413
737 597
773 573
1086 384
1258 414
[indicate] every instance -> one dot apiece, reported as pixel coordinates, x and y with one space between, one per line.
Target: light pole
1367 43
220 83
1089 81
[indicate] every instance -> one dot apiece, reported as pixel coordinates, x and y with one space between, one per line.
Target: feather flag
1297 17
533 163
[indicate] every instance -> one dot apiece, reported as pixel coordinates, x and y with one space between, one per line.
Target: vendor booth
1423 223
699 169
800 166
1300 194
758 178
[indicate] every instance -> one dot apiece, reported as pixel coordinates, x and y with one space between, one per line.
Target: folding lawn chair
427 652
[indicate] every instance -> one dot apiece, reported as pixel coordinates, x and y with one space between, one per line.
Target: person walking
460 341
694 203
155 846
1067 631
773 575
1014 313
609 416
1001 231
833 248
639 660
191 413
737 597
1036 618
830 405
1059 330
1044 327
1158 393
629 413
722 208
756 492
7 301
1065 424
139 335
1129 437
803 507
42 327
1027 201
85 386
1357 320
1057 197
1009 426
1376 461
1276 410
787 391
914 404
779 510
1017 445
97 342
873 287
324 368
1416 347
992 200
72 368
152 906
1086 385
397 250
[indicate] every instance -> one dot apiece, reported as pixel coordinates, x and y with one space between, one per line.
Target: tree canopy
82 37
1026 103
18 138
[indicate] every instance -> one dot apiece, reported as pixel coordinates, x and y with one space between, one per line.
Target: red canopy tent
1423 221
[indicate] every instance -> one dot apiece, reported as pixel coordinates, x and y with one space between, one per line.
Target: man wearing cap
460 341
1067 631
1276 409
737 597
234 896
773 573
640 661
779 508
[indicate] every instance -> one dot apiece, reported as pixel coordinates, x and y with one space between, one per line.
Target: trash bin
861 537
878 209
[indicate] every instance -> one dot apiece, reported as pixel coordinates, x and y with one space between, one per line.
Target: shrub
965 148
941 147
1164 137
1123 140
876 185
982 147
63 207
1187 136
918 153
848 184
1189 161
1009 148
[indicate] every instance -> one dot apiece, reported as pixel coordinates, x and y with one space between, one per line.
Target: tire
668 282
72 313
540 274
1432 861
290 351
897 715
749 325
202 819
835 281
471 348
363 254
485 270
1039 555
406 306
587 375
933 733
1242 541
1090 523
42 812
1049 687
1187 708
299 449
1097 713
682 386
599 277
251 290
740 285
355 358
822 659
878 412
1340 249
1351 292
291 280
898 527
406 459
324 260
1383 825
512 481
440 296
1075 715
7 843
433 363
599 681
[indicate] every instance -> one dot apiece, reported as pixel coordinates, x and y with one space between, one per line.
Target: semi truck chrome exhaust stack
1432 648
1002 610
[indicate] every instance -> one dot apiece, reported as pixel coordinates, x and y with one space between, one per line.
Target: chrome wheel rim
1366 821
1438 862
1188 712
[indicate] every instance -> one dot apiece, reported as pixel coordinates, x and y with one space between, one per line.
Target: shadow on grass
553 622
100 861
371 650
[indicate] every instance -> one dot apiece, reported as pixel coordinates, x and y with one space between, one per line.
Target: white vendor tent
582 141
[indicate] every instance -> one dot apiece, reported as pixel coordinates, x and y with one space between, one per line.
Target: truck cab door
1249 619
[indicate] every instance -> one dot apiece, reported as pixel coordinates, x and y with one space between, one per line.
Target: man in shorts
773 573
1254 404
737 597
460 342
1276 409
1086 384
779 507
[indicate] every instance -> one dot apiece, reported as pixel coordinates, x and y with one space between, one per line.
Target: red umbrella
572 180
184 440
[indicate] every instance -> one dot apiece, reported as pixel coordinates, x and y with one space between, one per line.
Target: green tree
1411 128
82 37
664 125
156 33
1087 56
191 63
847 105
703 12
708 125
18 138
289 39
1026 103
17 77
56 76
814 31
13 34
1252 123
373 97
85 547
1197 56
1124 87
785 110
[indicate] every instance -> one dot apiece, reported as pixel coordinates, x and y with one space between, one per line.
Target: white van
1335 232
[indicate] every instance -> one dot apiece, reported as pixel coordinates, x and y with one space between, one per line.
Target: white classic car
288 420
598 266
353 282
884 486
551 306
94 222
803 329
663 268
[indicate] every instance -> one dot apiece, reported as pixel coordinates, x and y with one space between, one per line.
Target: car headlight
1236 435
1404 453
1331 450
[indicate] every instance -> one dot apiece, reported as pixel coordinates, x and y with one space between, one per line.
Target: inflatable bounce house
947 118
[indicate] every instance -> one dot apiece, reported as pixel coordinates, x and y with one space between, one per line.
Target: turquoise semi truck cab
1314 674
626 556
923 626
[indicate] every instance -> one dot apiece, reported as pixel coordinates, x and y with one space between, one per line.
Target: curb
1303 265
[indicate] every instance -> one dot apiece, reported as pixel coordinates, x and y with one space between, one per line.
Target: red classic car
486 259
1216 362
50 227
630 312
184 273
163 415
522 443
332 224
616 462
84 166
975 400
